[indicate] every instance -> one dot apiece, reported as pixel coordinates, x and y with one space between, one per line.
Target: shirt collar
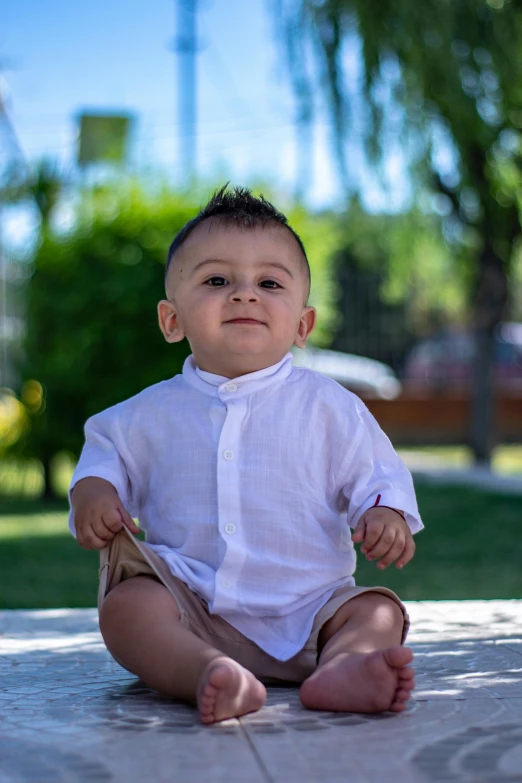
229 388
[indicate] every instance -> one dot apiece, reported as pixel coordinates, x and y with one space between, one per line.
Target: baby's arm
385 535
98 513
378 488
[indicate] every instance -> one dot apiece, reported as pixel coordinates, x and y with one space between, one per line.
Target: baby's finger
393 553
112 520
359 531
100 529
383 545
89 540
373 534
408 552
129 522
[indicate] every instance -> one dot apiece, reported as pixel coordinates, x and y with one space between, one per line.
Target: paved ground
70 714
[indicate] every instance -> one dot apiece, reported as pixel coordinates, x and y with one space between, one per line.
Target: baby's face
239 296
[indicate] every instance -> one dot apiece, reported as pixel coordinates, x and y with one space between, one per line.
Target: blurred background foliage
395 280
442 81
439 82
91 336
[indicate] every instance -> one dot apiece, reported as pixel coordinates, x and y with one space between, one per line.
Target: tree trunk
482 435
48 493
490 303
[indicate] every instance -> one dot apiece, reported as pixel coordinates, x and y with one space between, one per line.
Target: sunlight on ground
23 526
507 460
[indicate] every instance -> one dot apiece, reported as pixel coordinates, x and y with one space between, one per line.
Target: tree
395 279
452 73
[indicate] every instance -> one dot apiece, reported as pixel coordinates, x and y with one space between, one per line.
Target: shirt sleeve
102 457
376 476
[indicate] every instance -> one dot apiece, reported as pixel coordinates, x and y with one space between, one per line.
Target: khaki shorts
126 557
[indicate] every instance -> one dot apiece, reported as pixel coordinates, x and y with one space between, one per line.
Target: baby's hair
239 208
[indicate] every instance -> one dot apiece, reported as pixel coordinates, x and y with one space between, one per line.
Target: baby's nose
244 292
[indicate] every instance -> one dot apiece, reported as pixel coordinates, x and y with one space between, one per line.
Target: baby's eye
271 284
216 281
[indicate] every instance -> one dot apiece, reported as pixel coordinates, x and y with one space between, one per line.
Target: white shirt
247 488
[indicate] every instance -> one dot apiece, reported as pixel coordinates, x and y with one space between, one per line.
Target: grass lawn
471 548
41 565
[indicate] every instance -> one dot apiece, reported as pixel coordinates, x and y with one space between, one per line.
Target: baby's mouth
251 321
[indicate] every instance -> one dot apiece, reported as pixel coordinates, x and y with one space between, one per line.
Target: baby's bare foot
227 690
361 682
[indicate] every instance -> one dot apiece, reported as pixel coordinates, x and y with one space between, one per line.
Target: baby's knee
132 598
369 609
383 610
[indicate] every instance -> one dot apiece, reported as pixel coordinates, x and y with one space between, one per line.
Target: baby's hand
98 513
386 536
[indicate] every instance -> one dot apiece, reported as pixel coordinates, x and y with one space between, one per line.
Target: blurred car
368 378
445 362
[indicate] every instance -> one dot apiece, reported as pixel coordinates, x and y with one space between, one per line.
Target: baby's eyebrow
210 261
206 262
279 266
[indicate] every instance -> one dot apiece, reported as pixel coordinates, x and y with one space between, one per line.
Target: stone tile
70 713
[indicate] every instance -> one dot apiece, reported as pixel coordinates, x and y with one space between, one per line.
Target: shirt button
228 454
230 528
225 583
231 387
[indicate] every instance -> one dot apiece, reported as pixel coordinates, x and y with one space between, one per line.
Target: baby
246 475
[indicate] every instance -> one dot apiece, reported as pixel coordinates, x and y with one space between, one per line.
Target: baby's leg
140 624
362 667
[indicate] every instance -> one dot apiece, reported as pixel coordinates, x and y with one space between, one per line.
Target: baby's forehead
238 245
220 232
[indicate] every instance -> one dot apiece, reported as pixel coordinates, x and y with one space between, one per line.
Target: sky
60 58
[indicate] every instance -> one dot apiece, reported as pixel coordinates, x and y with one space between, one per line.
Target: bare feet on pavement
227 690
361 682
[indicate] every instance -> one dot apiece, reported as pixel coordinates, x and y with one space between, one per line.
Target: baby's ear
306 326
169 322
